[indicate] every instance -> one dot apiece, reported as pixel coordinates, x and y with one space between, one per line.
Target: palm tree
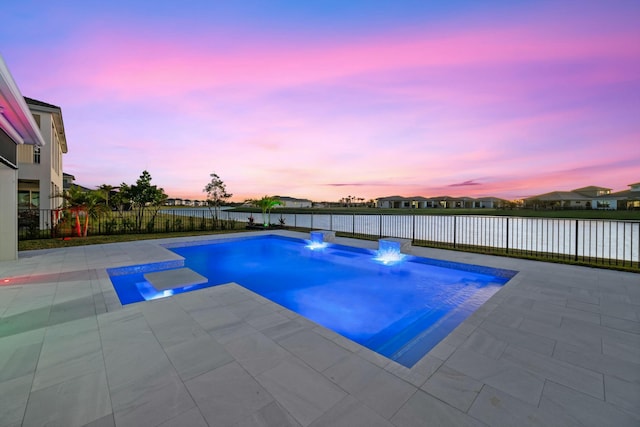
106 189
266 204
79 202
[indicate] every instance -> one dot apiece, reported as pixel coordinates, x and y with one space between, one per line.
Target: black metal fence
592 242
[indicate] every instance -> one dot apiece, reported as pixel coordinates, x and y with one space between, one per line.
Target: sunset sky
331 98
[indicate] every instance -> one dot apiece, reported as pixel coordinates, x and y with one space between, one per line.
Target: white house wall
46 172
8 213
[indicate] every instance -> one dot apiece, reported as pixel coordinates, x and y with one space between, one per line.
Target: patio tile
576 336
150 400
72 403
453 387
14 394
352 373
229 332
19 355
227 394
422 409
270 415
283 330
314 349
303 392
214 318
517 336
385 393
249 309
624 394
106 421
578 378
197 356
24 321
418 373
622 345
264 321
500 409
501 374
349 412
598 362
170 323
256 352
485 343
582 409
621 324
190 418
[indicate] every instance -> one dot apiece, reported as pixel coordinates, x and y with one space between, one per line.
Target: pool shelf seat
172 279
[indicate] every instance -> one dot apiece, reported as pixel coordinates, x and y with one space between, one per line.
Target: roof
490 199
590 188
15 118
560 196
32 101
57 117
292 199
392 198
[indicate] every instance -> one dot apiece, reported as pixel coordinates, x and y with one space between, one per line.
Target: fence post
380 215
413 230
454 230
576 256
507 243
331 222
312 220
353 224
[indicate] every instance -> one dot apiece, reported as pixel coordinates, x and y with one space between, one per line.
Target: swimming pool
399 310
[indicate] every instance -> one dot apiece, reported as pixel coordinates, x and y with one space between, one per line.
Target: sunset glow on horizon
334 99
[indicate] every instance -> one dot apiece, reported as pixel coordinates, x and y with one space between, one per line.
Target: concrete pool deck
557 345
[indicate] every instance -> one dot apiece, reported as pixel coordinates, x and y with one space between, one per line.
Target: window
36 154
28 199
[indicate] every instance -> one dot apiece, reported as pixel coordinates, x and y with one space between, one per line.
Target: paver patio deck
558 345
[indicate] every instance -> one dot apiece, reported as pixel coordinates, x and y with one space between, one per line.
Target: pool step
171 279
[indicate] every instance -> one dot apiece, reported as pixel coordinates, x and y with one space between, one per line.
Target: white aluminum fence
597 242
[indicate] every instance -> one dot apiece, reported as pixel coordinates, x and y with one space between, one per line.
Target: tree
216 191
266 204
82 203
142 196
106 190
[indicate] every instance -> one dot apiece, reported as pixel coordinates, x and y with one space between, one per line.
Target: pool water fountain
390 250
320 239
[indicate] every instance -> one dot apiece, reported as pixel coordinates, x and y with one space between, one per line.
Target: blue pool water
399 310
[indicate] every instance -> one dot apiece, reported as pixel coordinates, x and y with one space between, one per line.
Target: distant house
393 202
626 199
488 203
445 202
292 202
580 198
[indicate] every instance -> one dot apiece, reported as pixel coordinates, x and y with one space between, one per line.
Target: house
40 175
488 203
626 199
446 202
292 202
588 198
18 128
